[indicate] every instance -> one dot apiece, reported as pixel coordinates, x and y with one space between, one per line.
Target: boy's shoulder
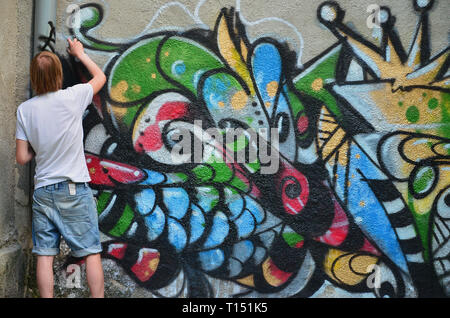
44 98
28 103
70 93
77 86
75 89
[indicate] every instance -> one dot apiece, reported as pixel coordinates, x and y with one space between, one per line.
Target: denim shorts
57 212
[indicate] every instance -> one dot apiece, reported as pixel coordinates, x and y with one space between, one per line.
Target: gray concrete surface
15 26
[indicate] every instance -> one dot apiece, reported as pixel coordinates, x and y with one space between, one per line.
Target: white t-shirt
53 124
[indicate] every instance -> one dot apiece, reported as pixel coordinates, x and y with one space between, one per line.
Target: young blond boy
49 129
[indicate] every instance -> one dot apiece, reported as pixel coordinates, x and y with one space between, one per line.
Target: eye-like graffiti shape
360 195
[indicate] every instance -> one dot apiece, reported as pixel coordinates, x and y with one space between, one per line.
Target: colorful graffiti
361 196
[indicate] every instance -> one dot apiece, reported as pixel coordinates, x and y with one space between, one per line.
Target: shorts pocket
75 215
39 222
78 228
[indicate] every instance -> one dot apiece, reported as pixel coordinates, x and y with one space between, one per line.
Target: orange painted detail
247 281
273 275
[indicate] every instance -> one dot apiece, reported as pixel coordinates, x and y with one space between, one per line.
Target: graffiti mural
361 196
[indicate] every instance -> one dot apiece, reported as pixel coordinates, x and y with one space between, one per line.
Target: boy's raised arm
98 77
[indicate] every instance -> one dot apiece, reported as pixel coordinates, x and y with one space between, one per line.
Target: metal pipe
44 17
44 12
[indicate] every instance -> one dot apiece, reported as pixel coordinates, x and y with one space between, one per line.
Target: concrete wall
359 204
15 36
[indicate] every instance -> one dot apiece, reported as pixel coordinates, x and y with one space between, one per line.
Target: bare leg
94 273
44 275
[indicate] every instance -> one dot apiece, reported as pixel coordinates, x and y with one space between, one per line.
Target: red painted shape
292 178
102 171
117 250
146 265
302 124
150 140
300 244
172 110
338 230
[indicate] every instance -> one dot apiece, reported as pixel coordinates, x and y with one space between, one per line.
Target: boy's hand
98 77
75 48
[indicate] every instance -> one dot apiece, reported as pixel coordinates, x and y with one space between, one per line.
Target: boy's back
52 123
